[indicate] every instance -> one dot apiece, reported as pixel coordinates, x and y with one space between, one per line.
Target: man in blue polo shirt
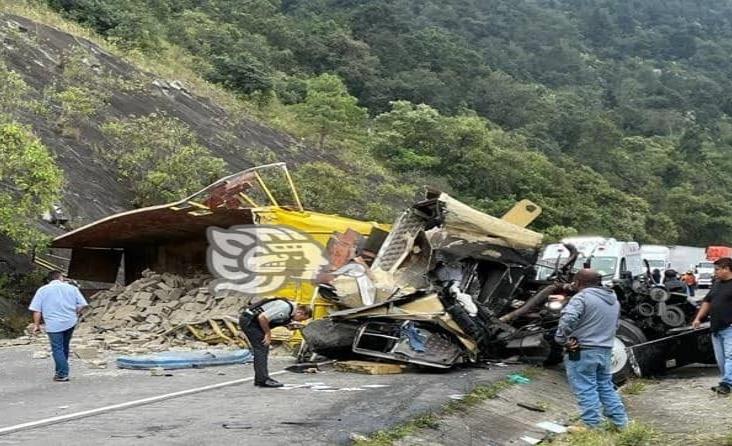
58 303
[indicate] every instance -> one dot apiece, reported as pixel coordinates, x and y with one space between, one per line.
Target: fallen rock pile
144 315
158 312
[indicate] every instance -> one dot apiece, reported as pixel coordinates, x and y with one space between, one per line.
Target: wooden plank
369 368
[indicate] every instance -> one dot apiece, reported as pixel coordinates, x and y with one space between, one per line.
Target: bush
77 105
161 158
31 184
12 90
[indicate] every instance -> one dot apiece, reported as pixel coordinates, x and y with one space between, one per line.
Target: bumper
704 283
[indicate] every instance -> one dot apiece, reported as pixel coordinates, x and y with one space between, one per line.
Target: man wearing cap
257 323
586 328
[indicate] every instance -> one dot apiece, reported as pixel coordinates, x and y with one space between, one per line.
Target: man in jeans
718 305
58 303
587 329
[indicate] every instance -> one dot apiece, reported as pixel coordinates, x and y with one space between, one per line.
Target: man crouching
258 320
587 329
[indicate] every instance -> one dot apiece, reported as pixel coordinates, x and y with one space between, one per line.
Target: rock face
40 55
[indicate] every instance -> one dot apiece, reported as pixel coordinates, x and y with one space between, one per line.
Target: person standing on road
587 327
258 320
58 304
718 305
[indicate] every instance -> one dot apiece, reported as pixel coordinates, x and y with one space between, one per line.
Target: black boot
269 383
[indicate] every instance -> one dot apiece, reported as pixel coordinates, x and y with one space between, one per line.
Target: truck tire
628 334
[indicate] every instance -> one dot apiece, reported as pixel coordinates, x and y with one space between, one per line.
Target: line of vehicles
613 258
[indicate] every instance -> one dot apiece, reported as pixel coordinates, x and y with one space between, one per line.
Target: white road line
140 402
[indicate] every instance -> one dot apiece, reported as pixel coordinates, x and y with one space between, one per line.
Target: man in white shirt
58 304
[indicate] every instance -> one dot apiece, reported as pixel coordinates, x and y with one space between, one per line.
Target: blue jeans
722 343
60 341
591 381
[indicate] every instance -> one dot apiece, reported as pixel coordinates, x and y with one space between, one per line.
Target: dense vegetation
613 115
30 181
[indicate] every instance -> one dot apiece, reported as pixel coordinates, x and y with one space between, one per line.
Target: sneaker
722 389
61 379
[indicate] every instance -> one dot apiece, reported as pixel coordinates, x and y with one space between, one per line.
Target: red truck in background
715 253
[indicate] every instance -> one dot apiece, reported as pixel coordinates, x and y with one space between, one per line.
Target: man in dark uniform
672 282
258 320
718 304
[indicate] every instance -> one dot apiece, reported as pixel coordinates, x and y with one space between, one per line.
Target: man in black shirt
718 304
258 320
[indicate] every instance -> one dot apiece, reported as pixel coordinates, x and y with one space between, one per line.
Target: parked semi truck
657 256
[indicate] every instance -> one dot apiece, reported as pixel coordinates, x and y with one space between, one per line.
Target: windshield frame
544 267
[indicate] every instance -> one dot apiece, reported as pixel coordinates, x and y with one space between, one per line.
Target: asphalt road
254 416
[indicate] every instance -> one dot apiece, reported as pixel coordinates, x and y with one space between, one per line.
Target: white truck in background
704 272
657 256
608 256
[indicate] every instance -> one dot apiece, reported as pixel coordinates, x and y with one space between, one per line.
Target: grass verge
637 434
635 386
387 437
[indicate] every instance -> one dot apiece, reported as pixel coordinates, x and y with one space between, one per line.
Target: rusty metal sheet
155 224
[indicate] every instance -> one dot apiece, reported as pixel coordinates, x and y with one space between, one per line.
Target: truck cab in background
704 270
611 258
657 256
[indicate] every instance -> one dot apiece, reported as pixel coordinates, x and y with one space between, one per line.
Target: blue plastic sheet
184 360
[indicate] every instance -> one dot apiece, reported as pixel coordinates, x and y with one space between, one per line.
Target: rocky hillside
53 64
42 56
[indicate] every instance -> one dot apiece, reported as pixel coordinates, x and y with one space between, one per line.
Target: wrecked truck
451 285
654 332
440 280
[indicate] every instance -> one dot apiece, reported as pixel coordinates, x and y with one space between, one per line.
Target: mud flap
686 347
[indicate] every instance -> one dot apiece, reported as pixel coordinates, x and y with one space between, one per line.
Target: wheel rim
619 356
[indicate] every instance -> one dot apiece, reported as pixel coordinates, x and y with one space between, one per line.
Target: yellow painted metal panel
522 213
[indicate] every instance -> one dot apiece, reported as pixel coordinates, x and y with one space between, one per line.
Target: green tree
31 185
328 107
322 187
161 158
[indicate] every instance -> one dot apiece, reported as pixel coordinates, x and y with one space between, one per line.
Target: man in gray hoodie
587 329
